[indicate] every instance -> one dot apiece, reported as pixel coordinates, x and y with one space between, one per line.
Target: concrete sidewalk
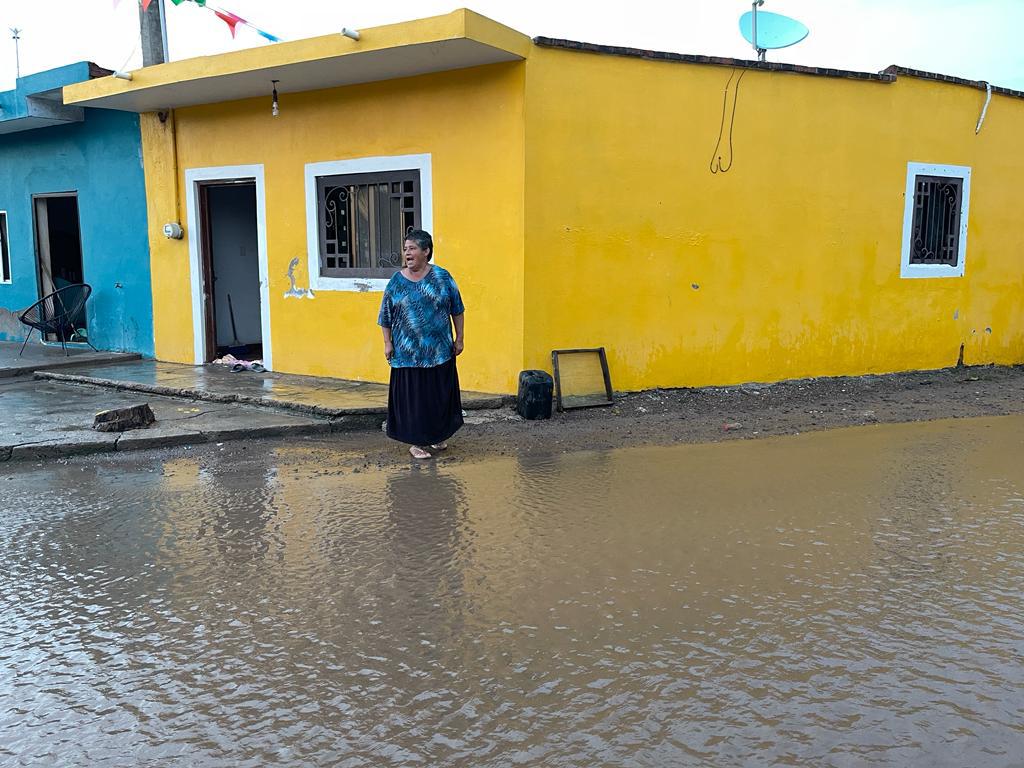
44 357
309 395
46 420
51 415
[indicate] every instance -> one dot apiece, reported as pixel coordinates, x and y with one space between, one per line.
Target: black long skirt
424 404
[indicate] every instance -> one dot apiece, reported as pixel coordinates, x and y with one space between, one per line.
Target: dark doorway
59 245
231 270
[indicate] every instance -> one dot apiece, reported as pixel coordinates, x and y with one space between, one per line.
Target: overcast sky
976 39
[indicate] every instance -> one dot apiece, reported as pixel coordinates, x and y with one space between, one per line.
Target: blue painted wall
100 159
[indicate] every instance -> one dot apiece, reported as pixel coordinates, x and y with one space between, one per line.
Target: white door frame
193 177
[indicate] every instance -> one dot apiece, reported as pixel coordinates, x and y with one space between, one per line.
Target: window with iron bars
936 209
363 220
935 231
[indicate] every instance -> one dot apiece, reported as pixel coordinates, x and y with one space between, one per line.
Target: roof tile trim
887 75
981 84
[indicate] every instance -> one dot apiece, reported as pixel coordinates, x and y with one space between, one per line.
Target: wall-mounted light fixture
123 75
273 105
350 33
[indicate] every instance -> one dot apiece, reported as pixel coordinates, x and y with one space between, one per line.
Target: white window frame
5 241
962 172
313 171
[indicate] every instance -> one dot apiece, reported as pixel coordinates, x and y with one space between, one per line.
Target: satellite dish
770 30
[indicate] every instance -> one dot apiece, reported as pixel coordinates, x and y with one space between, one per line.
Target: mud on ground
667 416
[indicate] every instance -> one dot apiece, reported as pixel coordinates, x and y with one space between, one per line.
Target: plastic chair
56 313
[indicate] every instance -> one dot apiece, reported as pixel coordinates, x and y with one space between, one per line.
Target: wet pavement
48 420
52 415
844 598
46 357
217 383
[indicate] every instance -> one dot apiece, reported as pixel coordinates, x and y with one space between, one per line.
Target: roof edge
952 79
325 50
722 61
887 75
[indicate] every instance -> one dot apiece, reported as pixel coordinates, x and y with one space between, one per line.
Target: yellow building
707 221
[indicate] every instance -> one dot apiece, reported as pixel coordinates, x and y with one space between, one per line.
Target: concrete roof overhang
456 40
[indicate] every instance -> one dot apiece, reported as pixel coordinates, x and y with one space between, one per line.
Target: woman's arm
459 321
389 348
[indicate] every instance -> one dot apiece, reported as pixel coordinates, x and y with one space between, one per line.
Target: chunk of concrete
122 419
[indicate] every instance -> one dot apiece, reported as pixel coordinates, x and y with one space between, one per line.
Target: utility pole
15 35
153 30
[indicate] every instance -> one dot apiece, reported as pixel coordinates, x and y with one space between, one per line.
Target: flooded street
844 598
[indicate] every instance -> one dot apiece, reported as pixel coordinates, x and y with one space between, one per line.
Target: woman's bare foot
419 453
439 446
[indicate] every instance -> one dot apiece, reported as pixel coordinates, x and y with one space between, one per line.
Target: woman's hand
459 346
389 350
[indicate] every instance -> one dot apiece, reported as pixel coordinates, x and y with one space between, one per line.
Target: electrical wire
715 166
129 58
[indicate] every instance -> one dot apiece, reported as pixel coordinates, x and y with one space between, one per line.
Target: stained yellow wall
169 259
574 204
469 121
786 266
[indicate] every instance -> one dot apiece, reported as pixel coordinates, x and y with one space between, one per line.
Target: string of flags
229 18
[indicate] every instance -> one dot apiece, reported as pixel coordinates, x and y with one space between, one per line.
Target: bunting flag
145 5
229 18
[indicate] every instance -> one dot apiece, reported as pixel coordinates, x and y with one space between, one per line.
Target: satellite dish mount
753 13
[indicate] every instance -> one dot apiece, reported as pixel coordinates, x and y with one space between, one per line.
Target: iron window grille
363 220
935 230
5 254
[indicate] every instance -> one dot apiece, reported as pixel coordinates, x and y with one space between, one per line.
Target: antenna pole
15 35
163 29
760 51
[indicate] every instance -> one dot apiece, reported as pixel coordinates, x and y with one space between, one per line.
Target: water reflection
843 598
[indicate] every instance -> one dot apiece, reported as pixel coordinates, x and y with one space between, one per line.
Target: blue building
73 209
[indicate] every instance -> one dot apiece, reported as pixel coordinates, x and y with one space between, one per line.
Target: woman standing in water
419 308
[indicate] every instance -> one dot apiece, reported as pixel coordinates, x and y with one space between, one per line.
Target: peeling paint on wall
11 328
294 292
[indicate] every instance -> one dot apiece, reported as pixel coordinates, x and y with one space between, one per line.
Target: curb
137 440
21 370
484 403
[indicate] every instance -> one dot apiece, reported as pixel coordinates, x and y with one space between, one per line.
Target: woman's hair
422 239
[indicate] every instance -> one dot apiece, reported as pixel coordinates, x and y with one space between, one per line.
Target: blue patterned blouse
419 316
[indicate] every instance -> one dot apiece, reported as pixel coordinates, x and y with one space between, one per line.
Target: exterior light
351 33
273 106
173 231
123 75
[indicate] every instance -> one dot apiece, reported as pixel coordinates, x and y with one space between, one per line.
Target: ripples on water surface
847 598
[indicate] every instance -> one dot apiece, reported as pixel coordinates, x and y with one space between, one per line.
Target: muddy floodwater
846 598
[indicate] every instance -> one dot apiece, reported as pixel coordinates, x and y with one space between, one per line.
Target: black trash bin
535 391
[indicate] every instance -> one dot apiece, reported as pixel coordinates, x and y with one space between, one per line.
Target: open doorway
231 269
59 248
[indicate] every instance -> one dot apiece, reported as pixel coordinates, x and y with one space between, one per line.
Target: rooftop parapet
36 101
